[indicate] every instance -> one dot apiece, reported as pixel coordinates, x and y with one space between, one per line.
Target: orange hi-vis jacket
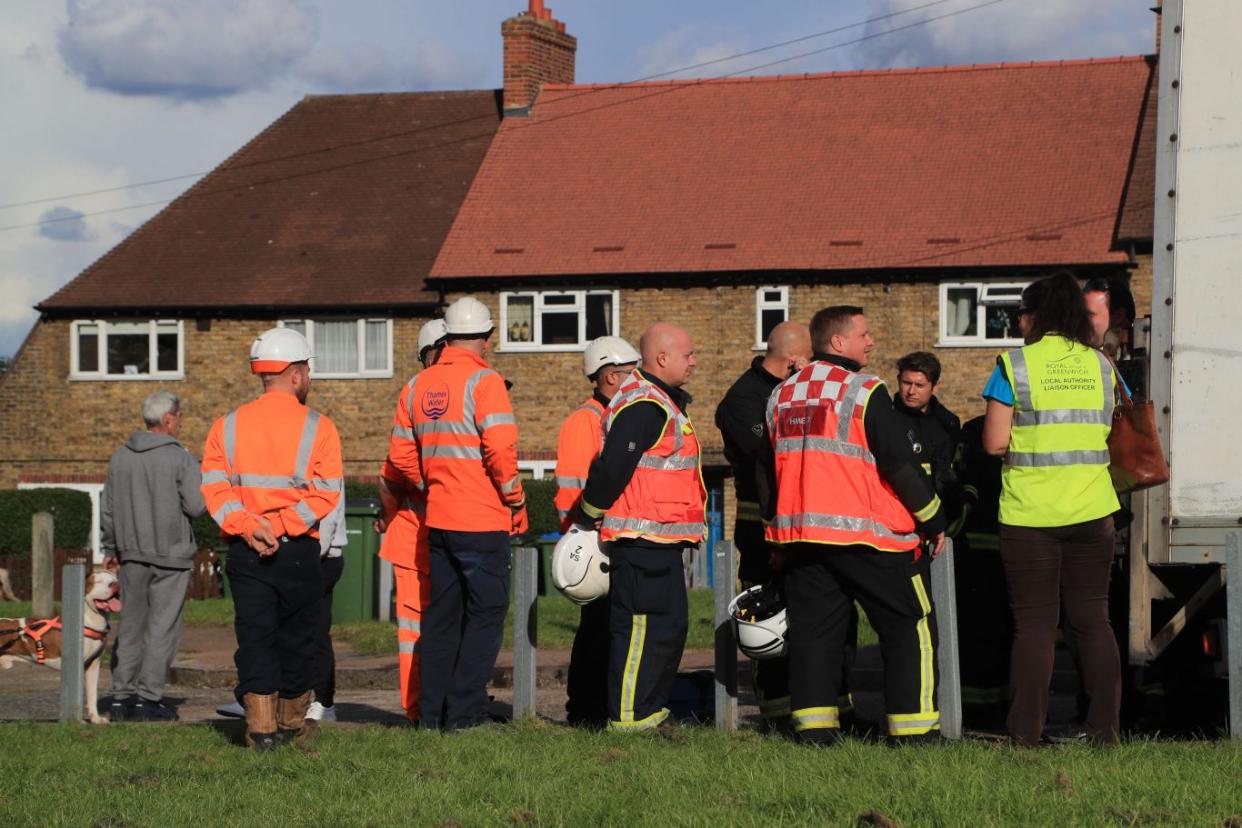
460 445
580 442
405 541
274 458
666 499
828 487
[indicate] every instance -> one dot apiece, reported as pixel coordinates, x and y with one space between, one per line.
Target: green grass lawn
533 773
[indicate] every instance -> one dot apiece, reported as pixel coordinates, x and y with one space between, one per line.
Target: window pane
166 346
560 300
959 310
129 348
88 348
598 315
521 316
377 346
772 296
1002 322
336 347
769 319
298 325
560 328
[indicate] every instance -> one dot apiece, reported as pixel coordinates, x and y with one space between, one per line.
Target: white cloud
371 68
681 53
63 224
184 49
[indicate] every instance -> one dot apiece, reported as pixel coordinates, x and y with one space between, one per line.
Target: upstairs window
980 313
106 349
771 309
556 320
347 348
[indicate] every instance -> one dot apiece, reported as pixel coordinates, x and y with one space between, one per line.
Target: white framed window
127 349
347 348
771 309
536 469
983 313
557 320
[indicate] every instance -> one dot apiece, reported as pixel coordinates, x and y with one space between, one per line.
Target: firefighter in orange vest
607 362
403 524
849 505
271 471
463 454
645 492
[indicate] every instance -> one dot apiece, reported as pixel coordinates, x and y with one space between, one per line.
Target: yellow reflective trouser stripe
927 653
629 679
645 723
913 724
816 718
929 511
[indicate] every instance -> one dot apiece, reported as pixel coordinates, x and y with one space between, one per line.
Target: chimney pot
537 51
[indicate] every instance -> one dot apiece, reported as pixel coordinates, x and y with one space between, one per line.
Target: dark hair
1119 296
923 362
1056 306
831 321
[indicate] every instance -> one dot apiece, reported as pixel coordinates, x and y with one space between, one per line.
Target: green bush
71 514
540 508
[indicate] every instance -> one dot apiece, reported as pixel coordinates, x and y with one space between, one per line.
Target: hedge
71 516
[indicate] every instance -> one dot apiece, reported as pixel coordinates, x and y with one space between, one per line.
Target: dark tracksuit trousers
648 622
587 684
325 658
276 605
821 585
463 626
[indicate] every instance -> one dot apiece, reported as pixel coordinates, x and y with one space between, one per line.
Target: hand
937 544
111 564
521 523
380 525
261 538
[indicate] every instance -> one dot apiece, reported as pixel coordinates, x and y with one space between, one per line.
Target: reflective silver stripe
1084 457
409 398
411 624
1064 416
302 467
673 462
465 429
1106 372
468 403
264 481
328 484
591 406
215 476
496 420
407 647
849 401
510 485
1021 379
228 508
402 432
455 452
843 448
839 522
651 527
230 437
571 482
304 512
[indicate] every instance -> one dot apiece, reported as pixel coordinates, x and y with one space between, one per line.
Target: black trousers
821 585
325 658
276 603
587 683
463 626
648 622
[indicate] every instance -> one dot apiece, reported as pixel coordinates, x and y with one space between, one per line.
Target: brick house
927 196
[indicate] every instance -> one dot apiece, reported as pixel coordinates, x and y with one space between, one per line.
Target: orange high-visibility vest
405 543
665 501
274 458
828 487
461 444
580 442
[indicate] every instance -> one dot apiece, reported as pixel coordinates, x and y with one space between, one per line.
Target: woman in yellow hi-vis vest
1049 411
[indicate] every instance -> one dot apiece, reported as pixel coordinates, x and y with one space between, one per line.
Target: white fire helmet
468 317
276 349
430 335
758 617
607 350
580 566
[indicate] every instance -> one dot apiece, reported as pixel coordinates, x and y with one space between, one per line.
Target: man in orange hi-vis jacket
271 471
607 361
461 448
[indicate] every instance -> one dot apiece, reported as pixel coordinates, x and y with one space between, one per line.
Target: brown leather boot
291 719
260 720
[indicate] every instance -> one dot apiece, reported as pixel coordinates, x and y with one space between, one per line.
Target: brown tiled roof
343 201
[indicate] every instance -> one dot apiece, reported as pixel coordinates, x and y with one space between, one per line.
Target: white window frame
539 469
539 308
761 305
361 326
102 357
984 287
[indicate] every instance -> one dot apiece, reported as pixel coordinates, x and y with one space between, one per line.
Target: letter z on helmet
468 317
276 349
758 617
580 566
607 350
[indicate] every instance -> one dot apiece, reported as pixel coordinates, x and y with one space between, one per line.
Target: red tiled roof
1000 165
1138 209
345 200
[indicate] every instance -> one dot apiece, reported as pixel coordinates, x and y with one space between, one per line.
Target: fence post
42 568
525 627
944 599
73 620
1233 622
724 572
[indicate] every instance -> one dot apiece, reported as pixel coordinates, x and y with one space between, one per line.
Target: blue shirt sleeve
998 387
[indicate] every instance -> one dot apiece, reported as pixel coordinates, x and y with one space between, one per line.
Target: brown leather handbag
1136 458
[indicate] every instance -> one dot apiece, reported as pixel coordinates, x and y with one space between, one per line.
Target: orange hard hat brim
268 366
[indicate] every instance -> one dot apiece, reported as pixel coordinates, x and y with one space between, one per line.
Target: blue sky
101 94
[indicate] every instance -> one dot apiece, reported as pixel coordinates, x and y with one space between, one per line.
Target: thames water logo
435 401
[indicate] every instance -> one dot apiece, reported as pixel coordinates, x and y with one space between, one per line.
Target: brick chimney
537 51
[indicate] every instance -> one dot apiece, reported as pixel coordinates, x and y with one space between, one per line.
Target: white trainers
317 712
233 710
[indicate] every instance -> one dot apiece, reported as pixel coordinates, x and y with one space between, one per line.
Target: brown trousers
1044 566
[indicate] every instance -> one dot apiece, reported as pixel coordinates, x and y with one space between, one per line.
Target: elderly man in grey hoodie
150 496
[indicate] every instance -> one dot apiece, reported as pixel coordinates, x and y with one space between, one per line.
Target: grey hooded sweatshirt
151 493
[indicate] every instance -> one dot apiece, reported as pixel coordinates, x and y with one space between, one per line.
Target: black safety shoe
152 711
120 710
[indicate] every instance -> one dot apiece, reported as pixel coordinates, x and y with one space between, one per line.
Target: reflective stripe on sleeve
408 647
927 512
328 484
491 420
230 437
226 509
571 482
511 485
305 445
215 476
305 514
402 432
411 624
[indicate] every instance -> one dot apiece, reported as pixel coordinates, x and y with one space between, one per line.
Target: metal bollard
944 600
73 620
525 628
724 572
1233 609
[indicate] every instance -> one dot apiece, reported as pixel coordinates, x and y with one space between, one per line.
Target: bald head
668 353
789 349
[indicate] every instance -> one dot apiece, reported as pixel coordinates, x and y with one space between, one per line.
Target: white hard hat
468 317
758 617
430 335
276 349
607 350
580 566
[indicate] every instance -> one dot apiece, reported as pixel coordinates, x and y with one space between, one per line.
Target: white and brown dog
40 640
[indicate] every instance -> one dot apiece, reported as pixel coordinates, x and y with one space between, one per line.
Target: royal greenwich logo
435 401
